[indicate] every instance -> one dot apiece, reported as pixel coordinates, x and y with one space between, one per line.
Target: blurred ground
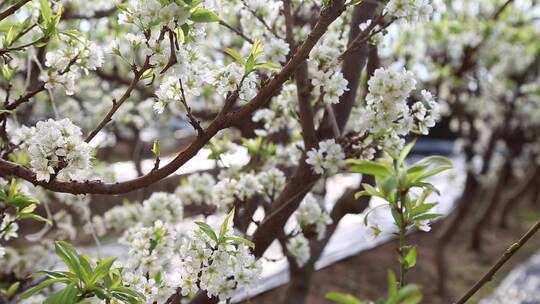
364 275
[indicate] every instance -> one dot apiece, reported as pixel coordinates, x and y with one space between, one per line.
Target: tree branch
118 103
500 262
222 121
12 9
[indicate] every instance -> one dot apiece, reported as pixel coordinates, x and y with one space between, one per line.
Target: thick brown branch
12 9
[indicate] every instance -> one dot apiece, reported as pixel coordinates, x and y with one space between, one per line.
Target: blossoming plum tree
299 85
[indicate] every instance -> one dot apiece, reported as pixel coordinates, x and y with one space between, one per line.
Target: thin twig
500 262
118 103
236 31
194 122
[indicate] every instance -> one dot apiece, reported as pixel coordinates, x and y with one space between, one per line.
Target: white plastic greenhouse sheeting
350 238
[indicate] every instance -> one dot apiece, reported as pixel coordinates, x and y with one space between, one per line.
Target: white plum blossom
232 78
8 228
332 83
162 206
224 193
328 158
152 253
148 13
56 147
275 50
298 247
248 185
215 268
272 181
410 10
228 190
310 213
66 65
196 189
387 112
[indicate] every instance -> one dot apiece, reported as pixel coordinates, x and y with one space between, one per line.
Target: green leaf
46 12
41 286
256 49
156 149
419 171
406 150
86 269
392 286
149 73
102 269
410 257
369 167
240 240
68 295
371 191
202 15
388 185
28 209
426 186
267 65
342 298
10 36
427 217
226 223
208 230
12 289
69 255
422 208
234 54
410 294
128 295
35 217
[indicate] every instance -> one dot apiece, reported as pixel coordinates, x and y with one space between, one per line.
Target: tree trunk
477 240
451 226
516 196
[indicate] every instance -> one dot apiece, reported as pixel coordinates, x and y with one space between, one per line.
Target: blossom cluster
312 214
196 189
162 206
298 247
216 268
387 113
56 148
410 10
151 257
67 64
232 77
328 158
327 79
228 190
162 259
277 116
149 13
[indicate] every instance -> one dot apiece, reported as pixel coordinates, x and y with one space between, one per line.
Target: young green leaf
240 240
225 225
410 257
234 54
202 15
156 149
369 167
208 230
33 290
342 298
